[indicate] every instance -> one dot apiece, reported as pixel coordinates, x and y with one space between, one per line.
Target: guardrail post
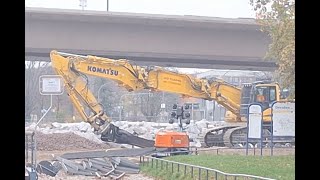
172 167
207 177
185 169
199 173
178 167
152 162
216 175
167 165
192 171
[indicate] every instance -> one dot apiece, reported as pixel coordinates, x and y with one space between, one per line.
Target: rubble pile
65 141
148 130
62 136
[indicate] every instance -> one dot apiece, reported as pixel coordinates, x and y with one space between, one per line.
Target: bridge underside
182 62
148 40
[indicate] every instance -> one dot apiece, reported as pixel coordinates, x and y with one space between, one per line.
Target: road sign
51 85
255 121
283 117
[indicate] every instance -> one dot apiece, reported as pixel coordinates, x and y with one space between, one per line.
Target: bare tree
33 99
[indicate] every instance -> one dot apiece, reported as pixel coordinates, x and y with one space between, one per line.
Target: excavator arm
227 95
77 87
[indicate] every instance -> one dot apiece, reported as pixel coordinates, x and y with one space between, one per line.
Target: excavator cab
259 92
265 94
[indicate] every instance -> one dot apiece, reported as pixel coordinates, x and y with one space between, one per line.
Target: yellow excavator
75 68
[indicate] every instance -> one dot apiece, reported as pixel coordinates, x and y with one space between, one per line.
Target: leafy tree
277 18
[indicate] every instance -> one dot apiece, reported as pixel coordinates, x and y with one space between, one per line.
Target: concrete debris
142 129
56 125
202 124
193 129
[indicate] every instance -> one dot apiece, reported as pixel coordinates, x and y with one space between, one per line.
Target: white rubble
202 124
91 136
143 129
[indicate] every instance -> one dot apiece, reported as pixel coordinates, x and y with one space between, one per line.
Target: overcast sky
214 8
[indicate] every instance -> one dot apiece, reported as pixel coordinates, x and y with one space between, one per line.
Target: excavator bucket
114 134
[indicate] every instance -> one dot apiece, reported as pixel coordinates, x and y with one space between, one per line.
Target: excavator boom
229 96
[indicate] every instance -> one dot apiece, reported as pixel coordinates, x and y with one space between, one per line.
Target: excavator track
232 135
214 136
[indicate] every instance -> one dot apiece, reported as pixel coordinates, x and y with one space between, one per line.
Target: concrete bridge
179 41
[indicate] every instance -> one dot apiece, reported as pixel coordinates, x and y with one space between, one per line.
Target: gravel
66 141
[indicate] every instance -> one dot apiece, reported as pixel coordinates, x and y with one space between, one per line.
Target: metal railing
194 171
255 151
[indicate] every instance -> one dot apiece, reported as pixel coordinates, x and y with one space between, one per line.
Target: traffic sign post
254 124
50 85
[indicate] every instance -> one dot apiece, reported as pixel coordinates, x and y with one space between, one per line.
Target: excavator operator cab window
272 94
265 95
260 95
